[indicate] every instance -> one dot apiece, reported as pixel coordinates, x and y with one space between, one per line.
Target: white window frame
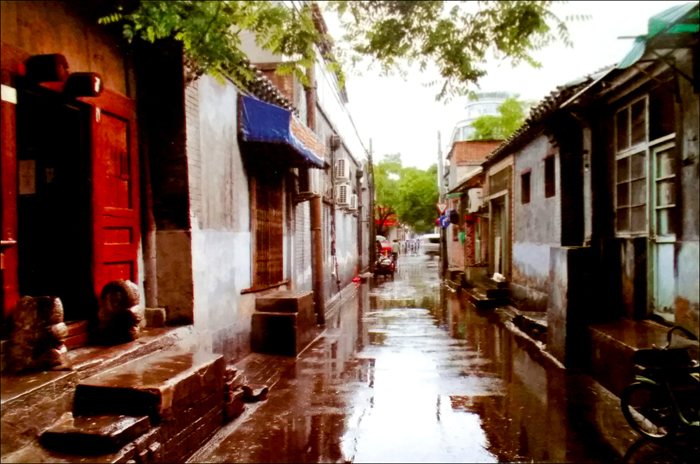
646 146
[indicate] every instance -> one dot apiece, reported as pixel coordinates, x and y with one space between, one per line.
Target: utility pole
372 223
441 192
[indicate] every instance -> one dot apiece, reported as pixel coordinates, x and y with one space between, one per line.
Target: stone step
489 283
284 334
158 385
285 302
479 298
94 435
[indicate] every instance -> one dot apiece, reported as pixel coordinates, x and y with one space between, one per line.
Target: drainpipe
316 212
149 230
443 231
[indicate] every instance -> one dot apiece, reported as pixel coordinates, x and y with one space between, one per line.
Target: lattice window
631 168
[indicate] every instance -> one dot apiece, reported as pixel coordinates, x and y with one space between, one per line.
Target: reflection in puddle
406 372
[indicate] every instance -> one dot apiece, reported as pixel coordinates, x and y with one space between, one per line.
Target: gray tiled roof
545 108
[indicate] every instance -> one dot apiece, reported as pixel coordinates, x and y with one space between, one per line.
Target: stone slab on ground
94 435
151 385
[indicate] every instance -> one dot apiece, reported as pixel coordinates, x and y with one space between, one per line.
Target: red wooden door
115 189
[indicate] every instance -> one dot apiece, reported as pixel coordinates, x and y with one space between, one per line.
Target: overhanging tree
491 127
455 36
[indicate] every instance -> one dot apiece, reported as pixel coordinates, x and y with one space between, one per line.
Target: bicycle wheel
649 411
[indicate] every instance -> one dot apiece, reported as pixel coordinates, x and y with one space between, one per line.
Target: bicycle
664 397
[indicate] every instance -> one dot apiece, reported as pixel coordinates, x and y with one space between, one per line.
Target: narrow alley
407 373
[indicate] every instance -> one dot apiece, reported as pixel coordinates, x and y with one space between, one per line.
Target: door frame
123 107
654 240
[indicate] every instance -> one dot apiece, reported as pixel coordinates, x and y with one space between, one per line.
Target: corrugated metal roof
679 19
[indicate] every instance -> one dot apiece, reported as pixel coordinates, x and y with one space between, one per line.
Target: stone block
285 302
568 301
151 385
125 455
235 406
155 317
94 435
283 333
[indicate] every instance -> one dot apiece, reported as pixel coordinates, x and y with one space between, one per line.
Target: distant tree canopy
408 192
511 117
454 36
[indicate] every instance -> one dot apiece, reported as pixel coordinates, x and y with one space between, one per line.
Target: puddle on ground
408 372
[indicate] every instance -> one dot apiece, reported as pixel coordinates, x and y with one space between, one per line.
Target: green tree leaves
511 117
453 36
210 33
408 192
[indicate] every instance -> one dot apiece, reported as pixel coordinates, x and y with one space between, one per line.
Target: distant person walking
395 248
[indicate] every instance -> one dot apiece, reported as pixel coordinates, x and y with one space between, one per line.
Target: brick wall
194 154
285 83
471 151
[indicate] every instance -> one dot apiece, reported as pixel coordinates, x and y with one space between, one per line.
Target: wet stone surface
408 371
94 435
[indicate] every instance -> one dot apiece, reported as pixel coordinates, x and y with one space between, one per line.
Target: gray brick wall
194 154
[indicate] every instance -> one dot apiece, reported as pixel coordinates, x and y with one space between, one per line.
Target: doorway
499 233
54 244
663 236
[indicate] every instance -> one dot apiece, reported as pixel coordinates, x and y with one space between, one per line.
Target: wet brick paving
408 372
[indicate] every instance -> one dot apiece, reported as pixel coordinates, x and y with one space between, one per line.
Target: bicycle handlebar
669 335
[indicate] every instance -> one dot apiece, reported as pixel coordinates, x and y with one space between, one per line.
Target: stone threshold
21 390
536 348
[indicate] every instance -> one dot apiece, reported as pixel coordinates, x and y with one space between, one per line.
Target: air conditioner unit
342 170
342 195
309 181
353 202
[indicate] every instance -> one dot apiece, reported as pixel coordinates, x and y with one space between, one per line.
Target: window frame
523 174
646 146
553 193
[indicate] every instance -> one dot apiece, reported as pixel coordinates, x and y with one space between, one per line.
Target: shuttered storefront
268 229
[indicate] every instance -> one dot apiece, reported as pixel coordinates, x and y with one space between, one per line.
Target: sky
402 116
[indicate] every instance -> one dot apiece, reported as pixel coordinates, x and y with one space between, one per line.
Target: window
631 189
631 168
549 177
662 121
525 187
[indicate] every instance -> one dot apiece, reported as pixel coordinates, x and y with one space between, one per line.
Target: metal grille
268 230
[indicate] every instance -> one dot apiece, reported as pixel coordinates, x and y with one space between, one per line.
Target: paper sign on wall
27 177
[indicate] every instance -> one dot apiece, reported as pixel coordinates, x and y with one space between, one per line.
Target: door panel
663 236
115 190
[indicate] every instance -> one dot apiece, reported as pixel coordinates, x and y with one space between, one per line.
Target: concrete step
493 289
284 333
479 298
491 284
158 385
285 302
94 435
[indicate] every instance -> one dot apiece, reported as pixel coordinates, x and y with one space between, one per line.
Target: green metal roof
679 19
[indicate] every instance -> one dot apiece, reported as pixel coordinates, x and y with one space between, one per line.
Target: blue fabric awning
268 123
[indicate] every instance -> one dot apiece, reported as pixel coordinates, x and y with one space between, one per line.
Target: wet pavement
407 371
